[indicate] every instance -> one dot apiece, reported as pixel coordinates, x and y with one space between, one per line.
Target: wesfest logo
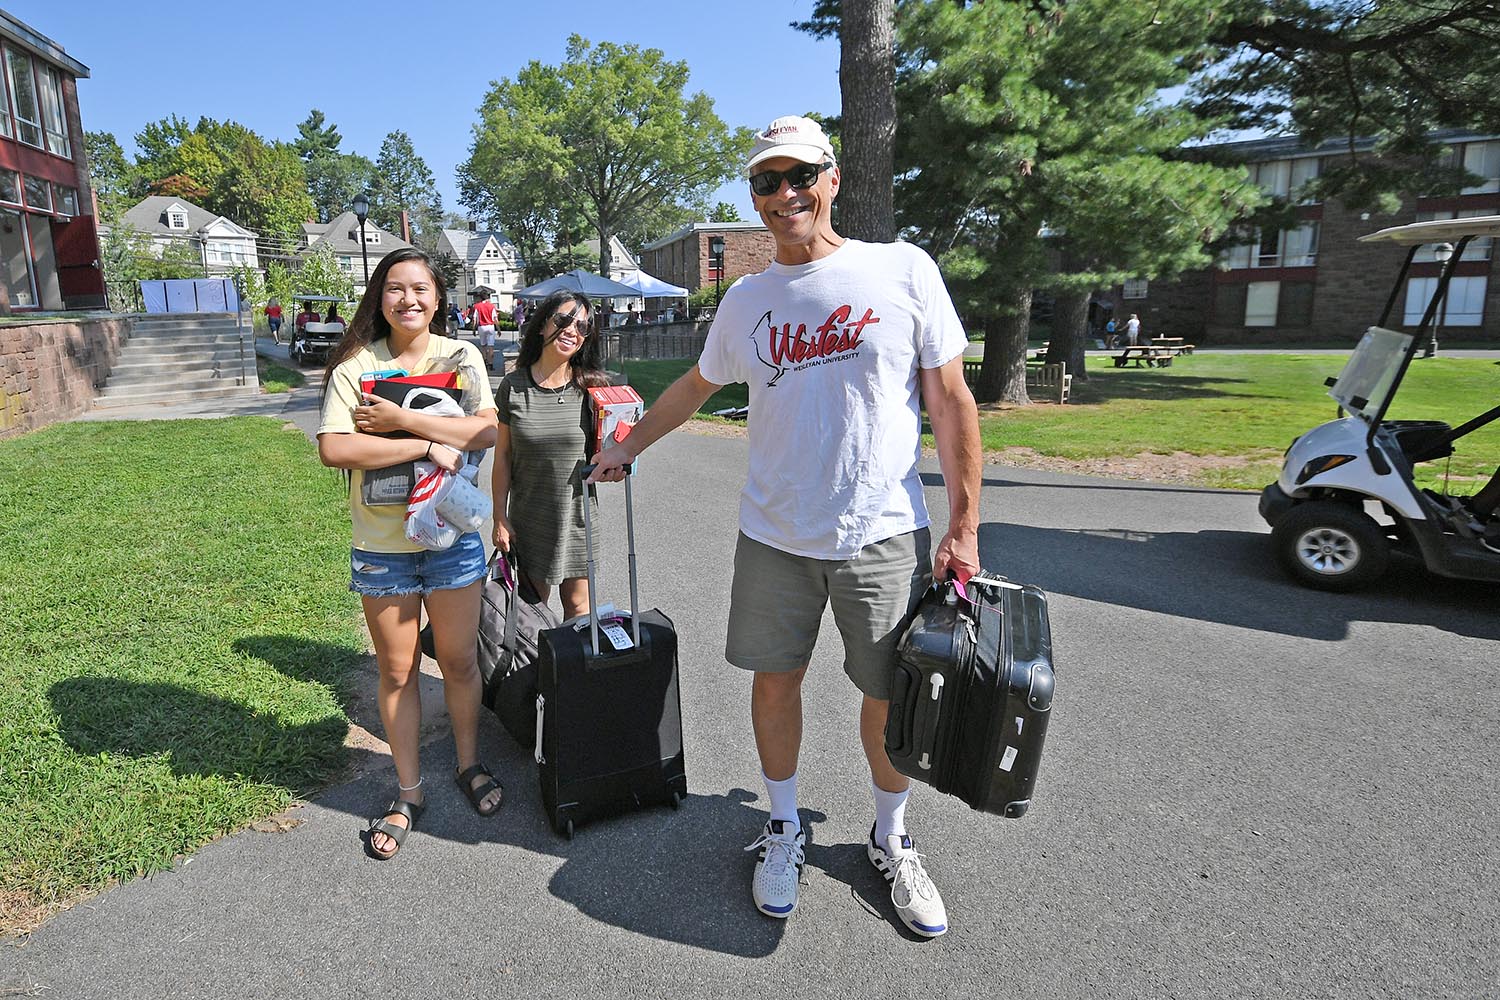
836 339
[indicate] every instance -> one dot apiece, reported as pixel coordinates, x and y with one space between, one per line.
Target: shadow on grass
199 734
1106 385
1230 578
308 661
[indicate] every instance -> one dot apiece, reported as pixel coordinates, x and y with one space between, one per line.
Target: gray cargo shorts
777 603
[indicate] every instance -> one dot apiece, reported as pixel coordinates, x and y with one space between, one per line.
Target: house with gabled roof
489 259
220 242
342 235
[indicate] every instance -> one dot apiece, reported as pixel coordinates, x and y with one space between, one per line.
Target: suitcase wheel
677 800
567 831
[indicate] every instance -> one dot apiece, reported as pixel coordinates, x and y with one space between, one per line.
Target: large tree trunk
1070 318
1003 377
604 255
867 85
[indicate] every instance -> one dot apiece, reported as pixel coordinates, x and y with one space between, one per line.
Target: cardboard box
617 408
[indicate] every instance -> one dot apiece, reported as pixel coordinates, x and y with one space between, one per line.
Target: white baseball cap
793 136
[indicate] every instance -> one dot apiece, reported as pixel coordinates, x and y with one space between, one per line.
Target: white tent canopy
655 288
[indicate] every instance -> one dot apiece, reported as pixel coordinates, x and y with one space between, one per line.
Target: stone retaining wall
51 370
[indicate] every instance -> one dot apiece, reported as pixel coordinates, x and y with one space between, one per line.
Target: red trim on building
1246 275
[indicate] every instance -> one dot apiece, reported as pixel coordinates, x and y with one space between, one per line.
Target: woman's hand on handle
505 534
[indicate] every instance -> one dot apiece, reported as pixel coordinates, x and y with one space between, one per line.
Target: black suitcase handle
588 545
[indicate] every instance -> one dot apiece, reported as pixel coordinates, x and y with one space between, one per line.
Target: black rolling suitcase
608 716
972 693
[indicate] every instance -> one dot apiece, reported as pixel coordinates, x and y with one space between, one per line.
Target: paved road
1250 790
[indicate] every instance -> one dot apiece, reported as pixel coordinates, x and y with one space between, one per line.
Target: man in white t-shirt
1133 330
841 343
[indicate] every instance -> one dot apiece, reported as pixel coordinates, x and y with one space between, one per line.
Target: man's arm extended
955 424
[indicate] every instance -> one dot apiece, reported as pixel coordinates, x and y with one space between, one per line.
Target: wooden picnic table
1154 357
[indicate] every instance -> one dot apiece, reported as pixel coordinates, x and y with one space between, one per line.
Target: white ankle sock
890 813
783 796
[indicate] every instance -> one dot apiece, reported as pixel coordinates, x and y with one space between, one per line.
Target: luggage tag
616 634
611 627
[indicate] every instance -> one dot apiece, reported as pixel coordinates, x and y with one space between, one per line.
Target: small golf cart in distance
313 342
1333 476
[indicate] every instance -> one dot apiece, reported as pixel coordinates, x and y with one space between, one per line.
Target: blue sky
421 67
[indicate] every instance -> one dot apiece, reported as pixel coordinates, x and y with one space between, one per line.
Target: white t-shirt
830 351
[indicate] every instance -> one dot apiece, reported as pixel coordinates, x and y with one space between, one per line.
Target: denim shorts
777 599
387 574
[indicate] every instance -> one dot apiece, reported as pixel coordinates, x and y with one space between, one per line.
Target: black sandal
476 795
400 807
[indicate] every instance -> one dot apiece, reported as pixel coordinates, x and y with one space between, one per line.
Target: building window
1478 249
66 199
1267 252
1236 258
1285 178
346 264
1229 304
23 96
177 220
52 112
1260 302
1464 305
1134 288
1296 304
38 193
1483 159
10 187
1300 246
371 236
15 259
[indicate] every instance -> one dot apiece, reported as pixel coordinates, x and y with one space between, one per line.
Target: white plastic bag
443 506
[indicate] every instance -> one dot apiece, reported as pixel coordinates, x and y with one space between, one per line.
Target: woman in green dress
545 437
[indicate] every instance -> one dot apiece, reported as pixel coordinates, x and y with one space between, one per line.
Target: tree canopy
608 134
402 182
227 169
333 176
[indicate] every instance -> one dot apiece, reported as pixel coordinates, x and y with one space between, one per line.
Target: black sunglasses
801 177
563 320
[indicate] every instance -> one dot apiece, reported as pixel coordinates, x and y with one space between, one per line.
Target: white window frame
54 112
1261 301
1483 159
372 236
1299 247
1134 288
177 220
15 106
1464 305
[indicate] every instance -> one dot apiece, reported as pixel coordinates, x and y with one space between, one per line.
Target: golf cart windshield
1369 375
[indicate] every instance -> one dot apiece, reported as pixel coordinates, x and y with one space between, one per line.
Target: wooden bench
1154 357
1054 379
1050 380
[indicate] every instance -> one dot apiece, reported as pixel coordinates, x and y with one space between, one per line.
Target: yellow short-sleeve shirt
382 528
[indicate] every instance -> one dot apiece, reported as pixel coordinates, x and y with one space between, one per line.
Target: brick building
49 245
684 259
1315 281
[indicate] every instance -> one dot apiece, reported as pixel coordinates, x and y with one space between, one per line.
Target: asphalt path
1249 790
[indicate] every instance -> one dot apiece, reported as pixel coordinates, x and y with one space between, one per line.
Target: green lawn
175 646
276 378
1247 406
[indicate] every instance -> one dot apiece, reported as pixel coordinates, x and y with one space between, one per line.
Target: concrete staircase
181 357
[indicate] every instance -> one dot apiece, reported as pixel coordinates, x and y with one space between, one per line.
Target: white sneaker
917 901
778 870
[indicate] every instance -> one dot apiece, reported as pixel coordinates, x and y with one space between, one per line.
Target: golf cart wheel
1331 545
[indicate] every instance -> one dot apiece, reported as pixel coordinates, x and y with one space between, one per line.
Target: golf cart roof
317 298
1436 231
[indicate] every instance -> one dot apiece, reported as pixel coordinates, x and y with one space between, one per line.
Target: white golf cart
1337 475
312 342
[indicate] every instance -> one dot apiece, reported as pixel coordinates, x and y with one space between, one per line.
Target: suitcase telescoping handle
588 546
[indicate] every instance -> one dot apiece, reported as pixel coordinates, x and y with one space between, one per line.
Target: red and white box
617 408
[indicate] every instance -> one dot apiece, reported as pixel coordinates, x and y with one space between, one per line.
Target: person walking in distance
852 338
482 315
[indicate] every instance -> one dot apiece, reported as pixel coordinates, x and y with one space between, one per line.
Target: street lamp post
1442 253
361 212
716 247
